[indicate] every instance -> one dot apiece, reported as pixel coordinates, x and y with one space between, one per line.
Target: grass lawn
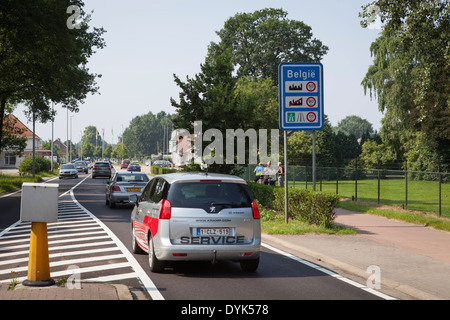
422 195
12 182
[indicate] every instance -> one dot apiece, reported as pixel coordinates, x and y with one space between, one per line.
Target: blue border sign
300 96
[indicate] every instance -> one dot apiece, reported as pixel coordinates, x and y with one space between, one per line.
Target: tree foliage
411 71
144 136
260 41
41 60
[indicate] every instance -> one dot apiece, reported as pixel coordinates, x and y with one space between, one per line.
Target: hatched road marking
78 238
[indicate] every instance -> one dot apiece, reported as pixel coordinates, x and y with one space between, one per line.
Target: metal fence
414 190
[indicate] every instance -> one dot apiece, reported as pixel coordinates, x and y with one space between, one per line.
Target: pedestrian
267 171
280 175
258 171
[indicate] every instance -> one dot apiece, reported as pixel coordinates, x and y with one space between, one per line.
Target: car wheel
154 263
249 265
134 245
76 176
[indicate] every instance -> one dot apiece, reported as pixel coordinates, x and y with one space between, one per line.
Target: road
95 241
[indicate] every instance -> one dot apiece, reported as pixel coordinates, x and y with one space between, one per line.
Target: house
10 158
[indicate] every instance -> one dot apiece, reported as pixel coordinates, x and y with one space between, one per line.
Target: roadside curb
318 258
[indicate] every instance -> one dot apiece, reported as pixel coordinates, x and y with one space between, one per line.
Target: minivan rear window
206 194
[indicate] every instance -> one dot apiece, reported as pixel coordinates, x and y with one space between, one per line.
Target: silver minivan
194 217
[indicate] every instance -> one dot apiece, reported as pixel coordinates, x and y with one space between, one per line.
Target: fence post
356 179
378 170
337 180
406 184
440 191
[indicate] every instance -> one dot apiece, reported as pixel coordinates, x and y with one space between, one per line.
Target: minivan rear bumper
208 252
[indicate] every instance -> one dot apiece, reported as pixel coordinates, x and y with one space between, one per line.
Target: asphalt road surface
95 241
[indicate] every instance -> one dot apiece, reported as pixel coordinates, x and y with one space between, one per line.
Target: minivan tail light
166 209
255 210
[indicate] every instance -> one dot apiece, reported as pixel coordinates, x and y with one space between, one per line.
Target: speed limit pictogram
311 117
311 86
311 101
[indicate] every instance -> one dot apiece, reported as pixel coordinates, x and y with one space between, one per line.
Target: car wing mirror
133 199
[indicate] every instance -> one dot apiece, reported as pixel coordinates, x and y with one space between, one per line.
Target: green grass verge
422 195
419 218
273 222
12 182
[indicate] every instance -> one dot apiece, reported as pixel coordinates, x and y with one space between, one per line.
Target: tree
145 134
41 59
260 41
410 72
355 126
120 151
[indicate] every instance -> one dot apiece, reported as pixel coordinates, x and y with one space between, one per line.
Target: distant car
163 164
124 184
124 164
134 167
194 217
101 169
81 166
68 170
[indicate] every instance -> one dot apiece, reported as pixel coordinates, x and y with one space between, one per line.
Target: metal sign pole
314 159
285 179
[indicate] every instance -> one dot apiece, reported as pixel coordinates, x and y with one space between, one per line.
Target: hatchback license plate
213 231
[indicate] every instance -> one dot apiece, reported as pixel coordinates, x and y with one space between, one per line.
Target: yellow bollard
38 263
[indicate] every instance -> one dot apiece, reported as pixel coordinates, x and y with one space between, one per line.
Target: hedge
305 205
159 170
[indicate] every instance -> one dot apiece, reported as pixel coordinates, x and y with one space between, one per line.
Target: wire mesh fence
414 190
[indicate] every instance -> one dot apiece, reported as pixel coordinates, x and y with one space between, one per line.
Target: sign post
300 96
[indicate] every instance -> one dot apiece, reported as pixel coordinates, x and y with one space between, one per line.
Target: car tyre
155 265
134 245
249 265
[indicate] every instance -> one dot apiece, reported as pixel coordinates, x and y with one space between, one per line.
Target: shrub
159 170
41 164
305 205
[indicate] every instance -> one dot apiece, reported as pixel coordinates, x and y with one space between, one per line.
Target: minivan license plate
213 231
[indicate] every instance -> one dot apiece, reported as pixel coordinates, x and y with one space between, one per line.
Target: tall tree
354 125
42 60
411 70
261 40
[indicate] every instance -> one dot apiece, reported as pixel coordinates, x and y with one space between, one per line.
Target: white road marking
329 272
80 230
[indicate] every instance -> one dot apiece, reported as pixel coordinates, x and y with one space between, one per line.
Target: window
145 196
203 194
158 192
10 158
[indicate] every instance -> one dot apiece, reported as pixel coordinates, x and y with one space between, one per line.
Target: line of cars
71 170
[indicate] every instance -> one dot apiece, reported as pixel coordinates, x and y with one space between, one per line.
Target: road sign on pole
301 96
301 106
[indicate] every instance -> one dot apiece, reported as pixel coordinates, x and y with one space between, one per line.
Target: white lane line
141 274
329 272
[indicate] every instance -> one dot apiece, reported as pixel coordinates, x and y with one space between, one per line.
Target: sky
149 41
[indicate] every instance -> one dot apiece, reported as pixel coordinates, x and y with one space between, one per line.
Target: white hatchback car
194 217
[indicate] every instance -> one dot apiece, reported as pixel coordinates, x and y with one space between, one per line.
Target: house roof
10 118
